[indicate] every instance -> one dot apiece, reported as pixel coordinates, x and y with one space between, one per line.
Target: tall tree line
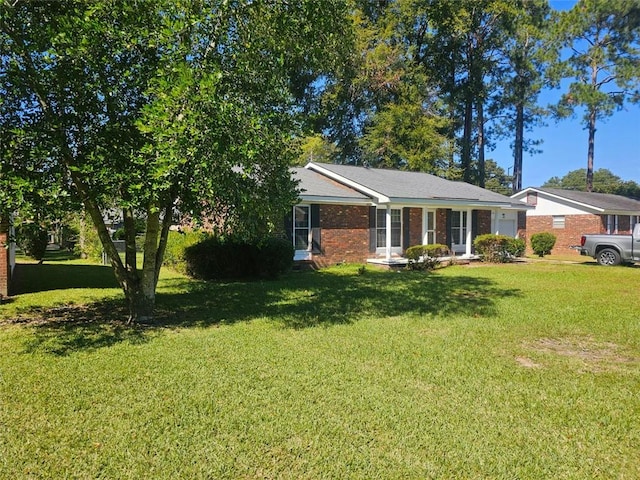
432 84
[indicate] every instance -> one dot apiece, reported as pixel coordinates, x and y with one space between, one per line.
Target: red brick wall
5 269
441 226
344 235
415 226
574 227
484 222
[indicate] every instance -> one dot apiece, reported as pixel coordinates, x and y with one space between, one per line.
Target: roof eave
334 200
560 197
377 196
459 202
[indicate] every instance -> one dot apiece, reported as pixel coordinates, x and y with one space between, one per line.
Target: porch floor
399 262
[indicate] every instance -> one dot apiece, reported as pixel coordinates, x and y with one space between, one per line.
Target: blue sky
564 147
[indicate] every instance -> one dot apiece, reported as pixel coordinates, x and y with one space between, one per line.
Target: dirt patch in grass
527 362
594 356
69 314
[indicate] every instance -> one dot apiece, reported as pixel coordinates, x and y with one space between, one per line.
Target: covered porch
397 227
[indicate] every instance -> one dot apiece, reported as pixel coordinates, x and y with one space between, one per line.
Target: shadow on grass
299 300
327 298
63 330
33 277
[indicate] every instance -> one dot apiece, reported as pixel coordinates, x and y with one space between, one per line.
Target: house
7 257
359 214
569 214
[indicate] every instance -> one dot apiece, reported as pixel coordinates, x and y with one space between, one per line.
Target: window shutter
448 229
474 228
406 231
316 244
372 230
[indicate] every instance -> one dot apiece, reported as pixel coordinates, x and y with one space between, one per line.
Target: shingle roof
403 185
313 184
604 201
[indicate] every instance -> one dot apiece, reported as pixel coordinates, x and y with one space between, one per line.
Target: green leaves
139 106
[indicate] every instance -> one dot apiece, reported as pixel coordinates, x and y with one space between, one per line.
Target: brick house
7 258
569 214
359 214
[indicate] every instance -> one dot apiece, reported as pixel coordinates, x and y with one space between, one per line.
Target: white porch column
387 250
469 239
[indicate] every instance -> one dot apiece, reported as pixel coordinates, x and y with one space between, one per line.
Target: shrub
425 257
542 243
177 243
498 248
516 247
32 240
217 258
275 257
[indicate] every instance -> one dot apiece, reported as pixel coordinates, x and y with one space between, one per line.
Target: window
558 221
612 224
430 223
381 227
458 227
301 227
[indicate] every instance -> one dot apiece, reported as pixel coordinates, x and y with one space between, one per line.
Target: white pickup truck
612 249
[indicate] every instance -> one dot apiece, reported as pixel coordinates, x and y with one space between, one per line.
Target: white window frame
302 254
429 236
381 230
462 227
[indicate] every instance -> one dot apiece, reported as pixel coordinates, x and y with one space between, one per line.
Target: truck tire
608 257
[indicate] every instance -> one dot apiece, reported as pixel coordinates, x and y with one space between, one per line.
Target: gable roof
316 187
601 202
397 186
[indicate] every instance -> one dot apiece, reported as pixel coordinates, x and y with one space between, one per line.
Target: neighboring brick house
359 214
569 214
7 258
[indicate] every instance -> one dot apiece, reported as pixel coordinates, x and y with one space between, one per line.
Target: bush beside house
229 258
498 248
425 257
542 243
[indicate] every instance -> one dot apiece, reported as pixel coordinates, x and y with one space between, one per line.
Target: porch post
387 250
467 251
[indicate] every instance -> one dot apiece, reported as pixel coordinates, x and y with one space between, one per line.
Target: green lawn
518 371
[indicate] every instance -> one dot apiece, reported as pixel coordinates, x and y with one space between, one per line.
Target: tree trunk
130 240
141 304
592 135
465 160
518 148
481 142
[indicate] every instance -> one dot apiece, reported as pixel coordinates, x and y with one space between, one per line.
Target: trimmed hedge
425 257
498 248
542 243
228 258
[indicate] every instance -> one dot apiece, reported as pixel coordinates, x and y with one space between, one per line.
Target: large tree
523 60
146 107
604 181
603 62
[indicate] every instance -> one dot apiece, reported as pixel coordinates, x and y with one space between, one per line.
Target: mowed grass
509 371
